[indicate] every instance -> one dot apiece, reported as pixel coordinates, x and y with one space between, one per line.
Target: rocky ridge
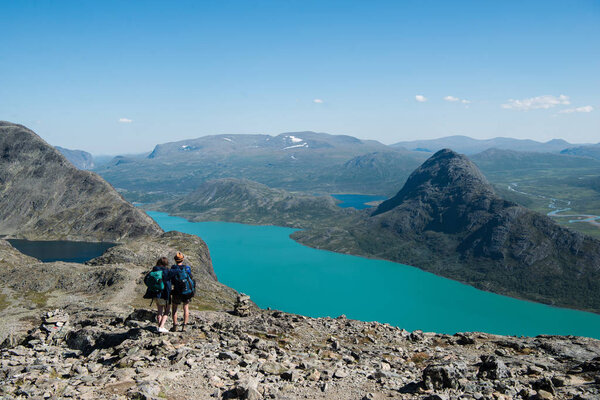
116 278
94 353
44 197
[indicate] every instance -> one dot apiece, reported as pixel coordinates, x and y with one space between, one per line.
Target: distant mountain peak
445 177
558 142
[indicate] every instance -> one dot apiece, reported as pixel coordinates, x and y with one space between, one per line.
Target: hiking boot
162 330
174 328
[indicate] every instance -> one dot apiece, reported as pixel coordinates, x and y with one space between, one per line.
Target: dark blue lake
278 272
60 250
357 201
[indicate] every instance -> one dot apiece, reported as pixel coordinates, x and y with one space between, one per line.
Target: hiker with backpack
159 284
184 288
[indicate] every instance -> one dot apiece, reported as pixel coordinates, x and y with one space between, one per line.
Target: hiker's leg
163 314
174 314
159 312
163 320
186 313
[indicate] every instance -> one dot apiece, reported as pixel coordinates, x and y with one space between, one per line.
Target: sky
116 77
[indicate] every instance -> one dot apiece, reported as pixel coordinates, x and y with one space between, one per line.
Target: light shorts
161 302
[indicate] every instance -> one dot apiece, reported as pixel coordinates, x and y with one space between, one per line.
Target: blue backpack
183 284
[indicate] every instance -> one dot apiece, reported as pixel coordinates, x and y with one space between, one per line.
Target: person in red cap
184 288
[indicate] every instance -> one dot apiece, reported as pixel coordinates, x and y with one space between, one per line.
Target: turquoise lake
277 272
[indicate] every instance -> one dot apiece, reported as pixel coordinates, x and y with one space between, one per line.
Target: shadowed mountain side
448 220
240 200
43 196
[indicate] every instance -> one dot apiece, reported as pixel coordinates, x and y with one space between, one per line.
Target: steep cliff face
43 196
448 220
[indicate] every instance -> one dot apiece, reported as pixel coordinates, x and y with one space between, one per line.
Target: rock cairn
53 327
242 305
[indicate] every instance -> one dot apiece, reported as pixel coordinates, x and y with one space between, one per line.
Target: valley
118 350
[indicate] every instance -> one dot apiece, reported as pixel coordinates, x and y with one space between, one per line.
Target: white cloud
539 102
584 109
455 99
420 98
318 101
125 120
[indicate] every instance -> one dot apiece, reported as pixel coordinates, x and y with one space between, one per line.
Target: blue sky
121 76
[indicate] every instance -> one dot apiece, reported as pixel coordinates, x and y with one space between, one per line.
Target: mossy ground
4 303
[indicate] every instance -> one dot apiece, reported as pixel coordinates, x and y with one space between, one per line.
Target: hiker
184 288
159 284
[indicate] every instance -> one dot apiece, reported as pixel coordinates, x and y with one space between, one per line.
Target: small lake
358 201
60 250
277 272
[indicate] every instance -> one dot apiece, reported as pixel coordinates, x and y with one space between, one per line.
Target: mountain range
467 145
298 161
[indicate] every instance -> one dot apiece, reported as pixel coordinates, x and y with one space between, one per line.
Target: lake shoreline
529 303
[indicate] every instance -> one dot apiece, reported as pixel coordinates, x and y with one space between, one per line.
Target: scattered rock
443 376
492 368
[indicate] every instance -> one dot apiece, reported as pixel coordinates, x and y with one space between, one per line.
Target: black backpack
183 284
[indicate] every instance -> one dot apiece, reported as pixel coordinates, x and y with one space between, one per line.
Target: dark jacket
167 276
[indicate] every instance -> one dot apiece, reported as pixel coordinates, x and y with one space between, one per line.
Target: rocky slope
99 353
241 200
79 158
43 196
448 220
115 278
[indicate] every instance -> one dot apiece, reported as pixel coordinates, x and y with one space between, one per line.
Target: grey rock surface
98 353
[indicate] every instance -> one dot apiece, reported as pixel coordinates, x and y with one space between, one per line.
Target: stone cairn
53 325
242 305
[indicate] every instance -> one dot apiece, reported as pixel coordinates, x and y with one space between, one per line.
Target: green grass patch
4 303
40 299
